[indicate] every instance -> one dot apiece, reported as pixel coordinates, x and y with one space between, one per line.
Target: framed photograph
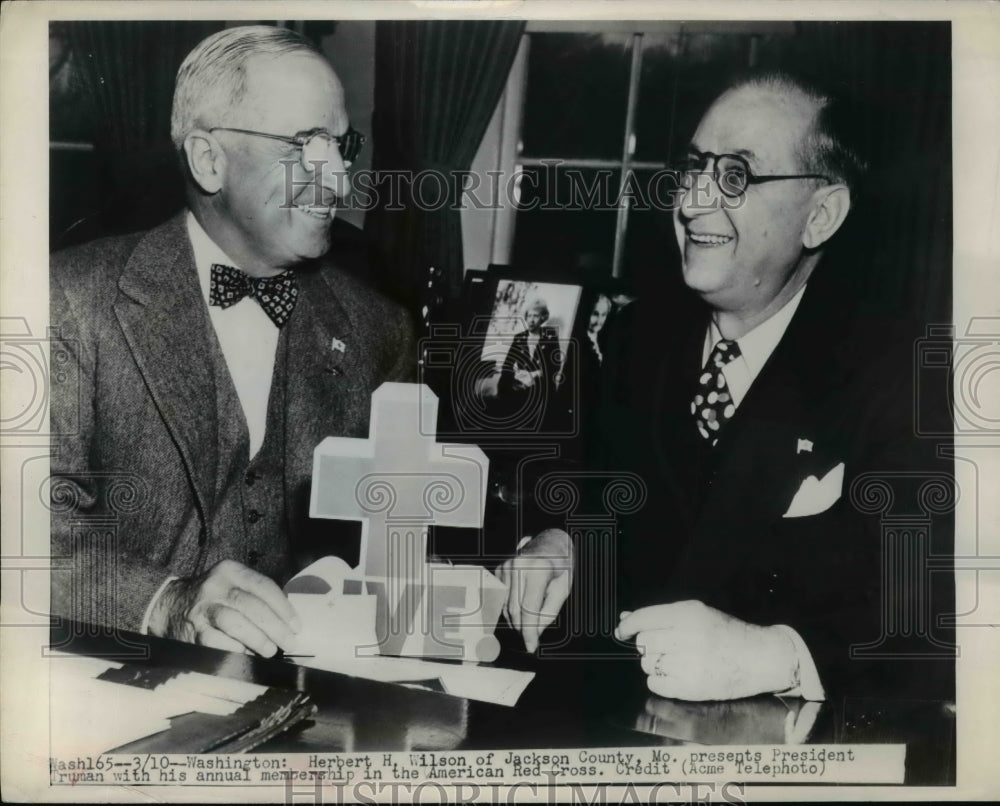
518 345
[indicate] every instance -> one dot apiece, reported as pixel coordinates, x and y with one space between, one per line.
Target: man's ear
830 207
206 160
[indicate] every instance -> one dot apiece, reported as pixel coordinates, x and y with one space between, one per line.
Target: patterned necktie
713 405
276 295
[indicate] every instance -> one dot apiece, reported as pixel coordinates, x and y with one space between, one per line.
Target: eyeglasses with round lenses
315 144
731 173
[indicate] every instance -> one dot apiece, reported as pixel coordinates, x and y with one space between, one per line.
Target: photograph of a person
595 326
717 511
529 361
528 338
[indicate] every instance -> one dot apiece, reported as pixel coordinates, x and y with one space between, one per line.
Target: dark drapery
436 86
896 248
126 70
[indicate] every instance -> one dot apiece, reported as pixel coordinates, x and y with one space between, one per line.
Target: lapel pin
338 345
804 445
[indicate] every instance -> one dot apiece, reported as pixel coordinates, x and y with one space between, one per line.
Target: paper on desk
89 715
342 626
469 680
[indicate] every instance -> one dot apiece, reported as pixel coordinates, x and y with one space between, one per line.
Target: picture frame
494 385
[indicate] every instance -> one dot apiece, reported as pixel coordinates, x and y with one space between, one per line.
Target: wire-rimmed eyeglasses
315 143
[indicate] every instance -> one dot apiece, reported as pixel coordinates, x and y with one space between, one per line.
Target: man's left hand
691 651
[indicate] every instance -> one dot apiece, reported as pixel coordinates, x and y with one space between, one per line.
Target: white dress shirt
249 342
247 336
533 339
755 349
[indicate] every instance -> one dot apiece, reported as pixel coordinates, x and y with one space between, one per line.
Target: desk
570 703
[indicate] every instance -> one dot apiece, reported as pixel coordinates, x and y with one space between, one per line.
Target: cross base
449 612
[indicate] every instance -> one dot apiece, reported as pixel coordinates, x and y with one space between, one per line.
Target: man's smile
317 211
708 239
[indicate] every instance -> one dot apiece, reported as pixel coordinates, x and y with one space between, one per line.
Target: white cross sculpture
398 482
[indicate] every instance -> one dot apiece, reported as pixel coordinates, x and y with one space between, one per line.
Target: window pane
577 95
577 232
651 258
681 75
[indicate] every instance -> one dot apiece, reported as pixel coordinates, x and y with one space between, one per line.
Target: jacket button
253 516
250 478
253 558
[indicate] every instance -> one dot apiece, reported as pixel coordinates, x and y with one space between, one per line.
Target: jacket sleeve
96 577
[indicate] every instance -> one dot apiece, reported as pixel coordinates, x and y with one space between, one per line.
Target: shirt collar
757 345
206 252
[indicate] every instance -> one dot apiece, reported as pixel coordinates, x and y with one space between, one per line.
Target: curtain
437 84
896 248
127 72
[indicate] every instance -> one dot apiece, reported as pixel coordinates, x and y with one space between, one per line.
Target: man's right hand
229 607
524 378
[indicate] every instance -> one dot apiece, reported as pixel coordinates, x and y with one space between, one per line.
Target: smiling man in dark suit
756 423
214 353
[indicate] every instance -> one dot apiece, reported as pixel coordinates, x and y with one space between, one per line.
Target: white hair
212 78
538 304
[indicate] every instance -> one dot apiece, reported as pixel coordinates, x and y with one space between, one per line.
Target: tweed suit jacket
718 524
135 466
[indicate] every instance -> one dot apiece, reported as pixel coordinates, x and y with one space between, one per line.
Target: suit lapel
162 314
323 364
759 464
674 430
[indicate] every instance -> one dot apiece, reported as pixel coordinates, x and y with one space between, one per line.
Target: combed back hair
831 147
211 81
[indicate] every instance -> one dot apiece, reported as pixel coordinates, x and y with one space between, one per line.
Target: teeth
714 240
316 212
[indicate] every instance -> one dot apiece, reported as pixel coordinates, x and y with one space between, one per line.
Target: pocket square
817 495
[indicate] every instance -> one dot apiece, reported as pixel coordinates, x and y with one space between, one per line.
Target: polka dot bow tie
713 405
276 295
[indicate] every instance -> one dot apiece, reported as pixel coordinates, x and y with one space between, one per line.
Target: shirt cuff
799 723
144 629
807 683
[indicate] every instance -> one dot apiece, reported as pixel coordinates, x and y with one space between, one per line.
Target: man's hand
538 583
229 607
524 378
691 651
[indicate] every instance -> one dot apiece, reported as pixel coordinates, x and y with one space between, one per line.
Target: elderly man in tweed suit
214 352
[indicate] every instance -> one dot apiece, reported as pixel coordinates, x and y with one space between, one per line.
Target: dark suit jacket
712 528
520 354
135 419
